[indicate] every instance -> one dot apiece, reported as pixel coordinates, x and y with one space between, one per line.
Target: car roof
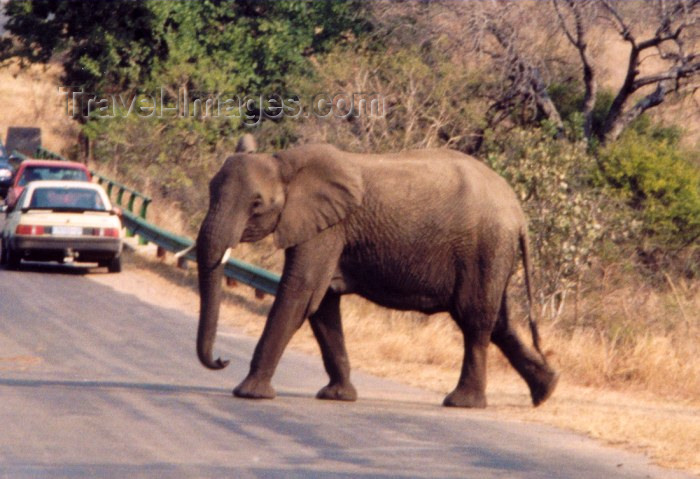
67 164
32 186
64 184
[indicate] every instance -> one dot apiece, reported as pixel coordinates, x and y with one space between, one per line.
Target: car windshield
37 173
61 198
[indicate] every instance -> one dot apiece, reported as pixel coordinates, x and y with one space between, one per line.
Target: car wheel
3 253
115 265
12 258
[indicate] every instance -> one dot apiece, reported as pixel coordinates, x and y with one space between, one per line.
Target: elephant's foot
252 388
544 387
338 392
464 398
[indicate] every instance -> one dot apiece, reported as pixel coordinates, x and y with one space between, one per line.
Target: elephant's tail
525 251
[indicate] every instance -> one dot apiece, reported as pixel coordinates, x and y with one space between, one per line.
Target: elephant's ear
323 187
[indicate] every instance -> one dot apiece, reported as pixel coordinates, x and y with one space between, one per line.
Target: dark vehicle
6 171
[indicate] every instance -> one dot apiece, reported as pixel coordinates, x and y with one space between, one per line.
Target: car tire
115 265
3 253
12 258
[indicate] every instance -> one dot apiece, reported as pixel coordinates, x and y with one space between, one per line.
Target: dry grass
639 392
30 98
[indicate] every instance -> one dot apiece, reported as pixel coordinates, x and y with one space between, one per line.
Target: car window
21 199
37 173
58 198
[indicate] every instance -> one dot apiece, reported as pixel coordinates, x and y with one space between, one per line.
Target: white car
63 221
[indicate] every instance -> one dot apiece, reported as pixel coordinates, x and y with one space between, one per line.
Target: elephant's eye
257 205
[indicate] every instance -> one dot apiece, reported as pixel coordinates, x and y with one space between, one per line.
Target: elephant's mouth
258 231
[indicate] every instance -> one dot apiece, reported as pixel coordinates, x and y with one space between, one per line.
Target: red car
37 170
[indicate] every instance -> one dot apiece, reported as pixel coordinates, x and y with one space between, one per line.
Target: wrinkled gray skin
430 231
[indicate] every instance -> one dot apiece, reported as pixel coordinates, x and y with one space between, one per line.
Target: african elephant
429 230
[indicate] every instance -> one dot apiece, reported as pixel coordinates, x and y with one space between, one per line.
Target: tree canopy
210 44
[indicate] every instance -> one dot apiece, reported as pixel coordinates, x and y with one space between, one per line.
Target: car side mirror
117 211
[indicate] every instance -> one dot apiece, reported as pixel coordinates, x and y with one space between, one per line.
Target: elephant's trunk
211 249
210 298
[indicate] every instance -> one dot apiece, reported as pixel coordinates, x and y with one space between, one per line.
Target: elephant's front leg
327 327
308 269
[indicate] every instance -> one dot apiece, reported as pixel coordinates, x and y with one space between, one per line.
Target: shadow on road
55 268
369 401
151 387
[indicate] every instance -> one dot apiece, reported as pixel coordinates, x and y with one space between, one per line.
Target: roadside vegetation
590 109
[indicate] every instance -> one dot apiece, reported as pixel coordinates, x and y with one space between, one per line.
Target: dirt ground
667 432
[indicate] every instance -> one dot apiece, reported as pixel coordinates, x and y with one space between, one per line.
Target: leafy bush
567 217
658 179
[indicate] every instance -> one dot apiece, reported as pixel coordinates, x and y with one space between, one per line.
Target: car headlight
5 173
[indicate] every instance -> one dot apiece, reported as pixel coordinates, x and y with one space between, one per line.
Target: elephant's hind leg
539 376
471 387
475 309
327 327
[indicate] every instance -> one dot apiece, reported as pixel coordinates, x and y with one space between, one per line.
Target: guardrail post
160 252
182 263
120 194
130 208
130 204
144 207
259 294
231 283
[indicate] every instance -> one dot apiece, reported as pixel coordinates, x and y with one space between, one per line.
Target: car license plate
67 231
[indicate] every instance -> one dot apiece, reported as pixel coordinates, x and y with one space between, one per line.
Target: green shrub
658 179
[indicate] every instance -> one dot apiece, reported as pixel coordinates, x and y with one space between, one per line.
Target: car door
14 213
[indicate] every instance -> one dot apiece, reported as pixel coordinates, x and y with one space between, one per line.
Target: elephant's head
293 195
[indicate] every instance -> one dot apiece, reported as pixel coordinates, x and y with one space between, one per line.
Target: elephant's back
438 182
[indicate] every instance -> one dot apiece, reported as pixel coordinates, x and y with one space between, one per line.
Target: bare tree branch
523 86
582 13
676 20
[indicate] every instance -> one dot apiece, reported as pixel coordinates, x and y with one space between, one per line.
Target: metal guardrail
44 154
260 279
111 186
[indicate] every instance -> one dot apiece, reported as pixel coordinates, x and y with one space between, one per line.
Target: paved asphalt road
97 384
